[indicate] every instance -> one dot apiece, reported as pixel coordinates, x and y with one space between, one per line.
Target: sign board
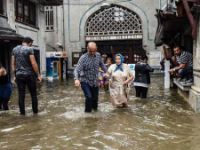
132 68
56 54
114 37
75 58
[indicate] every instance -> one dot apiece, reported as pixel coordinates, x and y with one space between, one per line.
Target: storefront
8 40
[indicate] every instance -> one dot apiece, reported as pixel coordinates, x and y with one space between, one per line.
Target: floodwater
162 122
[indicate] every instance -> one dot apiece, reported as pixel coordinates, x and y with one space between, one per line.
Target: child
101 78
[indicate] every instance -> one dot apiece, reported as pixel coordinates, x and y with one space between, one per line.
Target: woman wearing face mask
120 76
5 89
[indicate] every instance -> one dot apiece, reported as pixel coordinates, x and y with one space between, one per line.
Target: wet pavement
162 122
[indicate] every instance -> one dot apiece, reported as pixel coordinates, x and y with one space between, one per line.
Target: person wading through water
86 76
27 72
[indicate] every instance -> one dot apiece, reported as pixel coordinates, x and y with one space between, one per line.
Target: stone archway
113 23
130 6
116 29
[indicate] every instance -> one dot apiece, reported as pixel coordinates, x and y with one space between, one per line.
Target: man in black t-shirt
26 69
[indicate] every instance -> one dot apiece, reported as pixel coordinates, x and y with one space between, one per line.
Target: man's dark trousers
30 82
91 96
141 91
186 73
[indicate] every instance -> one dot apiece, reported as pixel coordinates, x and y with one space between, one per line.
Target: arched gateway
116 30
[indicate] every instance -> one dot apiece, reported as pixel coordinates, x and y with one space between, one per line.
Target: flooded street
163 122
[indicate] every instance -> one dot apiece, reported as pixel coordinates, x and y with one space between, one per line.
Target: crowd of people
92 72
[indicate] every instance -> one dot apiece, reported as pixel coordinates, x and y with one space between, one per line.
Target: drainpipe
63 9
167 75
64 42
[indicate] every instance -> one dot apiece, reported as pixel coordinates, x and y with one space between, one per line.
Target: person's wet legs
21 84
88 96
5 104
95 98
1 102
144 92
31 83
138 91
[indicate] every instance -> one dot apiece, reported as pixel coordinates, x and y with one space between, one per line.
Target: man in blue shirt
86 76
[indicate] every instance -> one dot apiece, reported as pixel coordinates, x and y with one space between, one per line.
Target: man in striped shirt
185 64
86 76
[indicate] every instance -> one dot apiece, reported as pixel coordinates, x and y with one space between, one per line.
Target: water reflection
163 122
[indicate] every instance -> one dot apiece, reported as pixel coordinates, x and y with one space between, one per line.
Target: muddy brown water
162 122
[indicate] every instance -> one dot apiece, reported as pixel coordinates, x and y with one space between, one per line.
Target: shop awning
169 28
7 34
171 25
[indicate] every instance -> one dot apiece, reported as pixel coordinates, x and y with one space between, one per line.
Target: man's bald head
92 48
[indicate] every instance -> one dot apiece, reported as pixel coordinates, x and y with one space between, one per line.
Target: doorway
131 49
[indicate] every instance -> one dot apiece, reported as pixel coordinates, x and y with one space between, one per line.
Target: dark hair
178 46
27 40
109 58
143 57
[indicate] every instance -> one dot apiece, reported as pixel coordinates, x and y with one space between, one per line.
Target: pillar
194 96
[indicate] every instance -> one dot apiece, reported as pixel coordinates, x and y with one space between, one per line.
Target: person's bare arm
35 66
13 65
181 66
3 72
13 74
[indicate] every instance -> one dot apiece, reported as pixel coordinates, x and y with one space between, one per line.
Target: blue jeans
5 93
91 97
186 73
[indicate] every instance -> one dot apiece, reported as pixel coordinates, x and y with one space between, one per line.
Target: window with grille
3 7
49 18
25 12
114 23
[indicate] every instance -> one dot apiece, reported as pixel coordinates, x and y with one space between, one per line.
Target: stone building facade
19 18
194 95
180 24
125 26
